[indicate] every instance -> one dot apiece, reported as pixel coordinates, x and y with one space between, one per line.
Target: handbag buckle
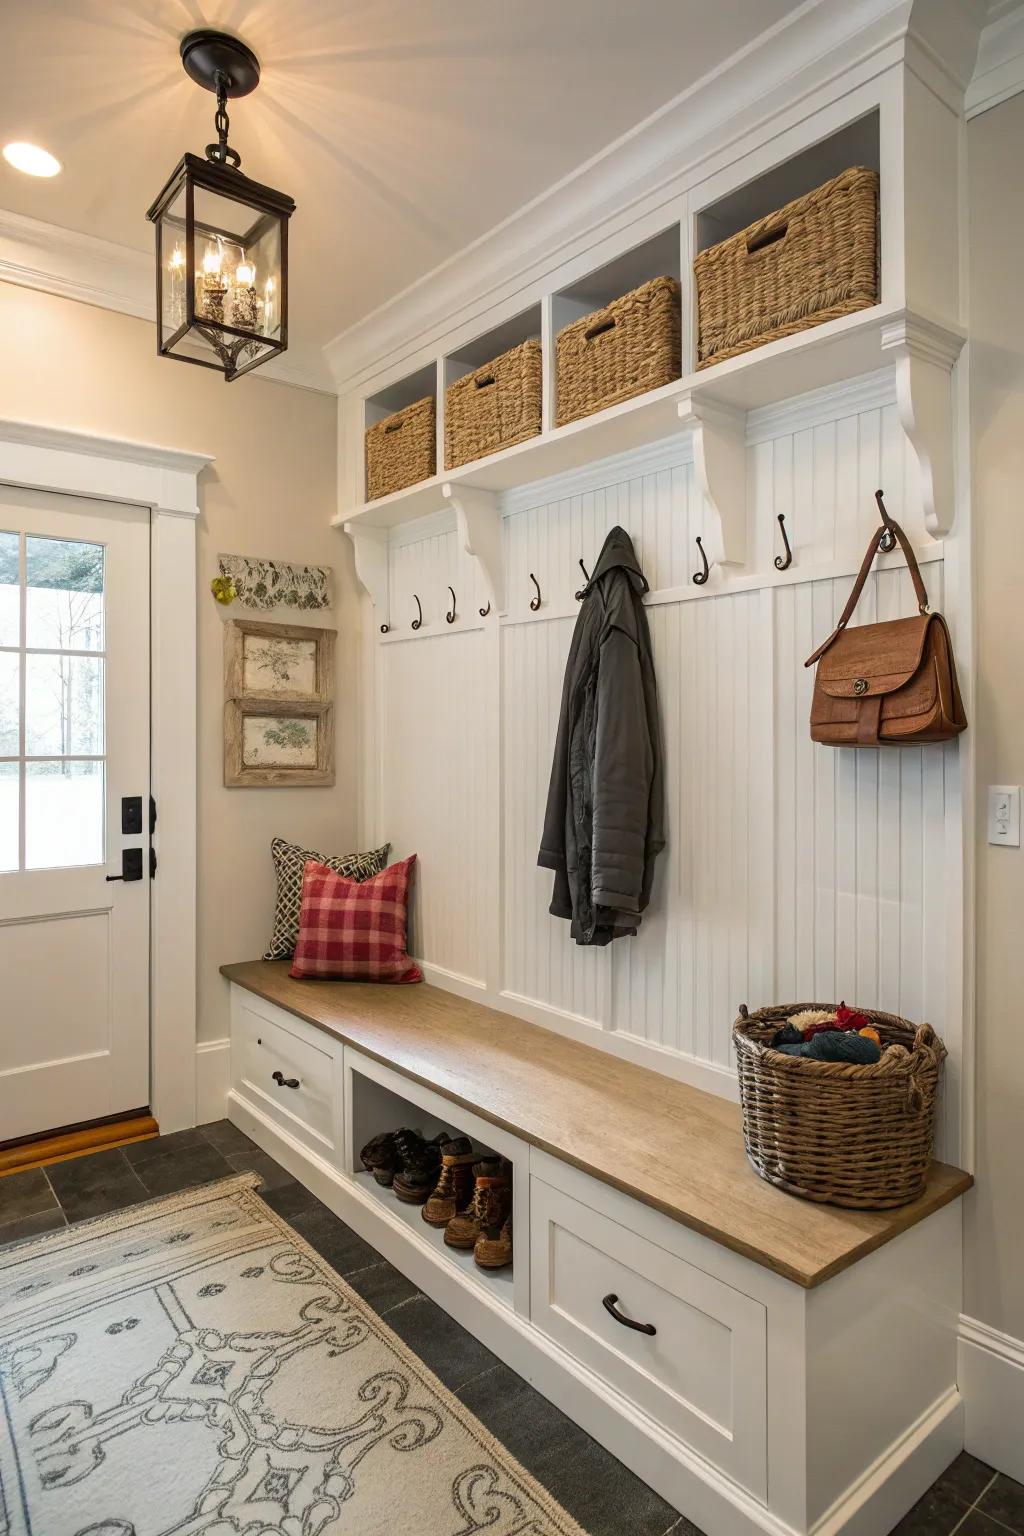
860 686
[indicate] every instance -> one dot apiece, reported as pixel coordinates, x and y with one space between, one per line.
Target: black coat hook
783 562
418 620
586 577
700 577
888 540
485 611
535 601
449 617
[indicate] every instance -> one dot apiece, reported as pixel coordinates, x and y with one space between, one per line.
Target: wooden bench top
674 1147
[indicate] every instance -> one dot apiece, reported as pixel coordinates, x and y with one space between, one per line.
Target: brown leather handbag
891 684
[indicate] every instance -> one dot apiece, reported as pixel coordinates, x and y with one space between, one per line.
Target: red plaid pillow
354 930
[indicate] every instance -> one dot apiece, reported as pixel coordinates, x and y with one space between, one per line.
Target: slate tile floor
970 1499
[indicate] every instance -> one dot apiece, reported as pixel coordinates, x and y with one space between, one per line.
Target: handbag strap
889 526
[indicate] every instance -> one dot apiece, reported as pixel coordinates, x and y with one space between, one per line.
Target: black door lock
131 815
131 865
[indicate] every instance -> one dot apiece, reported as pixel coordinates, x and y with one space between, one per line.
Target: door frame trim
164 480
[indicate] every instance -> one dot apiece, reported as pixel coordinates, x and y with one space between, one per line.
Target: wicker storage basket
836 1132
493 407
813 260
629 347
401 449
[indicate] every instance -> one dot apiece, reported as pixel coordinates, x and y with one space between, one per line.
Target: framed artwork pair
278 704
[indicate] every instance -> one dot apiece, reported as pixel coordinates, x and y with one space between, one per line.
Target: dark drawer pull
610 1304
284 1082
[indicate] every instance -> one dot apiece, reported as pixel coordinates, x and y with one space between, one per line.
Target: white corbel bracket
478 520
925 354
720 461
371 553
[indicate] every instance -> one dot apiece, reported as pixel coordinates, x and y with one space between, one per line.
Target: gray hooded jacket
604 824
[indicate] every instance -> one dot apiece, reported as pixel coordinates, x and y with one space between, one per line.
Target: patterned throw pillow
289 862
352 931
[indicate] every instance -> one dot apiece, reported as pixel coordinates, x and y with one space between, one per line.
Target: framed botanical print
278 704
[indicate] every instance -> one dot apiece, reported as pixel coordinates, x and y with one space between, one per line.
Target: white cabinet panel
288 1071
700 1373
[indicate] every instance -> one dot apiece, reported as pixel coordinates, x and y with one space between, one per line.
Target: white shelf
497 1283
829 354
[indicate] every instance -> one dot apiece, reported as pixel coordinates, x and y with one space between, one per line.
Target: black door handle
131 865
610 1304
284 1082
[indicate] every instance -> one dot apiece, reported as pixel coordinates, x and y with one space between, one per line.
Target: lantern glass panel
237 251
173 268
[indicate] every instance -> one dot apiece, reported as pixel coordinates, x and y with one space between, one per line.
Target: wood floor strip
64 1145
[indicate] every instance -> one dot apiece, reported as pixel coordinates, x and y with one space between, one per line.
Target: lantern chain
221 152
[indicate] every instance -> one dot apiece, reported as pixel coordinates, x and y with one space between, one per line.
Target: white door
74 739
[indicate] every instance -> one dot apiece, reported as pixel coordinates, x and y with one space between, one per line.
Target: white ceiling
404 129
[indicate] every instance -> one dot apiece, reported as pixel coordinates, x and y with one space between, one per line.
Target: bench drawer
289 1072
701 1373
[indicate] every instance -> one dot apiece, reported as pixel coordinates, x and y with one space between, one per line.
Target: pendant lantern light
221 239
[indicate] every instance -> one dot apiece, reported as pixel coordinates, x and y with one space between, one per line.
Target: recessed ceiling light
31 159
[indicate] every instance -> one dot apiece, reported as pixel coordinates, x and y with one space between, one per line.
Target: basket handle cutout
767 237
600 328
485 381
393 426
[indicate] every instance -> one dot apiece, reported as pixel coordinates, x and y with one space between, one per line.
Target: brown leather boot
454 1189
493 1248
465 1227
492 1251
420 1165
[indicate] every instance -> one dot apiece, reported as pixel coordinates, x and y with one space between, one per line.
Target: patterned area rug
191 1367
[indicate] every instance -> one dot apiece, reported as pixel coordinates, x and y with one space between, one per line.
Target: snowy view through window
52 738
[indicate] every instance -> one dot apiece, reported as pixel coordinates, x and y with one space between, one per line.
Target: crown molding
72 265
36 434
757 92
999 72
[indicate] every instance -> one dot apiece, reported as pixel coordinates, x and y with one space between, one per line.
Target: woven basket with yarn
402 449
813 260
838 1132
625 349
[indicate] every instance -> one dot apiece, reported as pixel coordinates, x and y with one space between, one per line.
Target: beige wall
271 492
994 1290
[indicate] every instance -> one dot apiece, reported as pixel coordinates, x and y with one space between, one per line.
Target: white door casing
163 481
74 739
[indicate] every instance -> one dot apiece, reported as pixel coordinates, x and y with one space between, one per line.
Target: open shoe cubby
379 1100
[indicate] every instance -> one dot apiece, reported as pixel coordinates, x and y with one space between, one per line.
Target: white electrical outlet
1004 815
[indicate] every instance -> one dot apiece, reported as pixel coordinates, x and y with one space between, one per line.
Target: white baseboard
991 1375
213 1078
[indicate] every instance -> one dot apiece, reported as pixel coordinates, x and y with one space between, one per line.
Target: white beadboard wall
793 872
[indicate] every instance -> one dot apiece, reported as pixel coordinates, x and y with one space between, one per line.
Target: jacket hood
617 553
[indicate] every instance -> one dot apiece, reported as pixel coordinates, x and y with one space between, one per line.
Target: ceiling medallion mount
207 55
221 238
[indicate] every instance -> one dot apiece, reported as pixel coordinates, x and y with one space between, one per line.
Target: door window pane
64 581
10 594
63 814
9 791
63 705
9 668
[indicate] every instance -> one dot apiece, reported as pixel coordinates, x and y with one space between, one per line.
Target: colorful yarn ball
811 1017
870 1034
836 1045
